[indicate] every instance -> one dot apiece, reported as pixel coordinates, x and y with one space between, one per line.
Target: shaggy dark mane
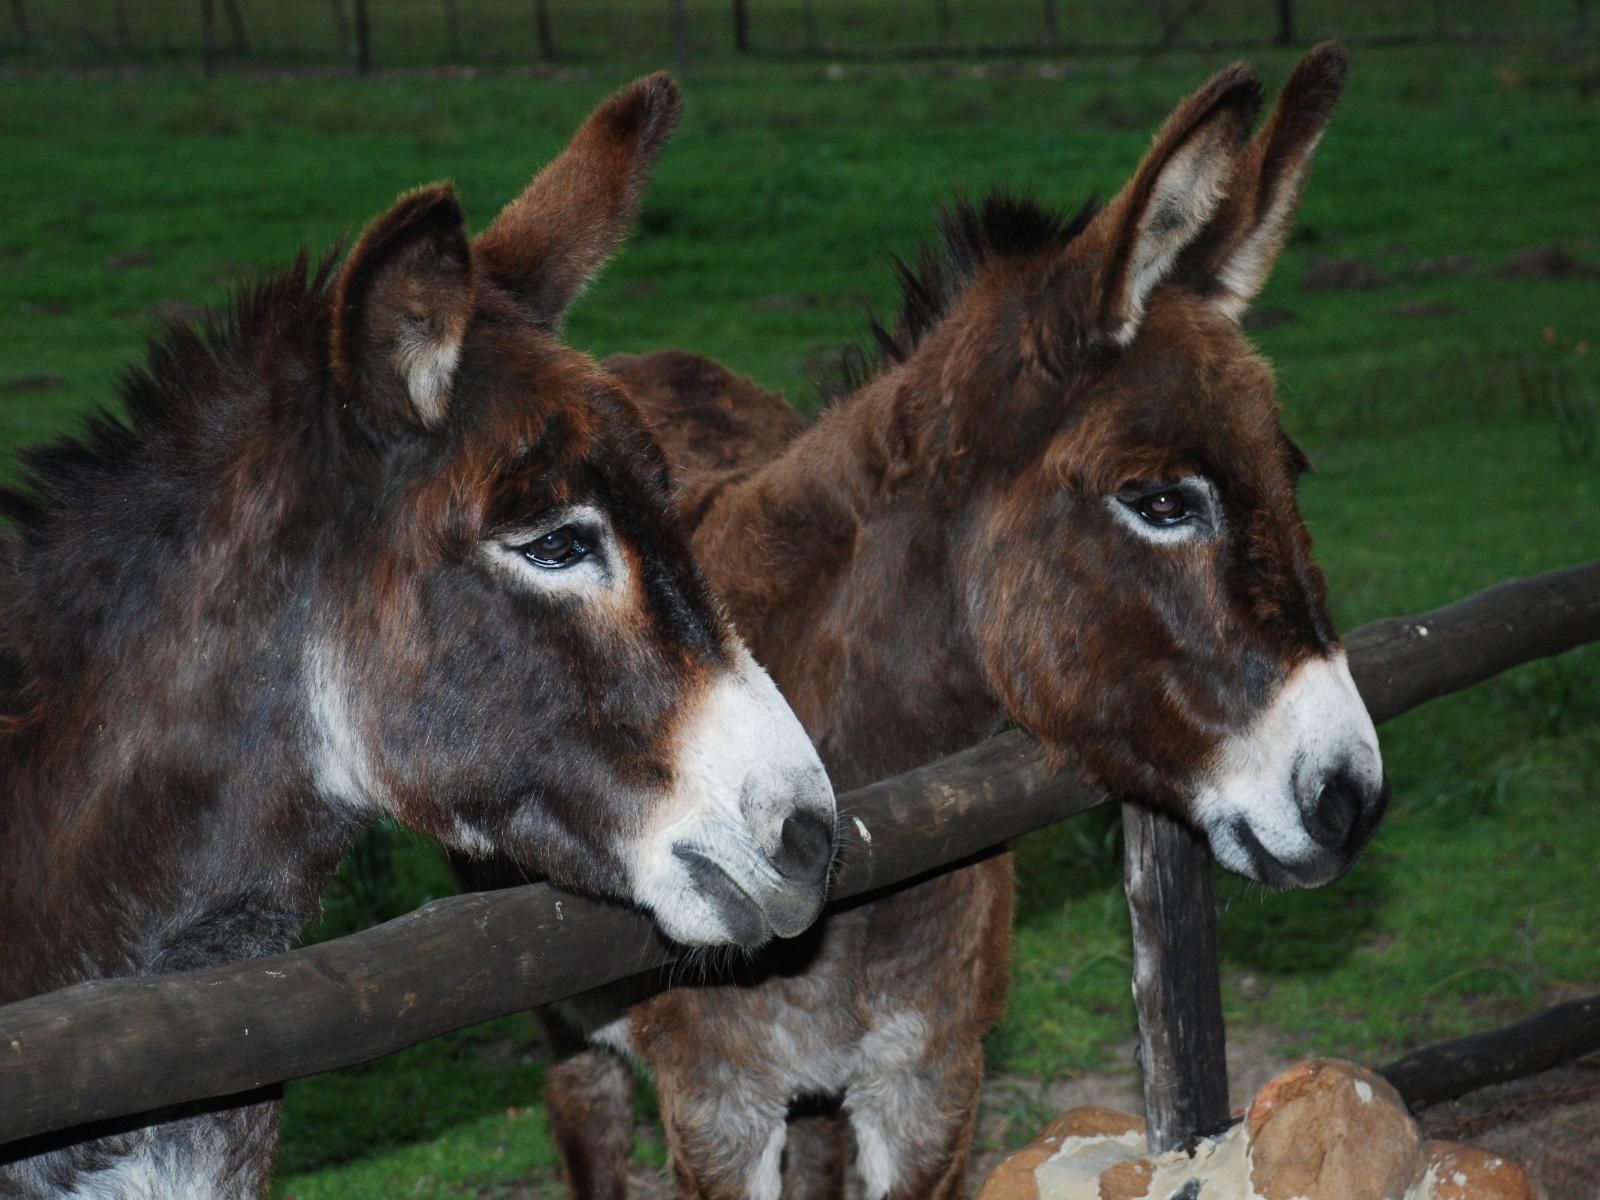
199 389
1004 224
194 388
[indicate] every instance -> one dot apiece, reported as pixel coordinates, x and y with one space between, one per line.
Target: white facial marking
603 574
1207 525
1315 726
742 767
428 364
340 763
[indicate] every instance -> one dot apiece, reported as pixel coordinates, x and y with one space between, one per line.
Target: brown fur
942 552
267 610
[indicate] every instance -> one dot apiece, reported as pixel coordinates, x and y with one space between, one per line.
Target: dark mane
201 388
194 390
1004 224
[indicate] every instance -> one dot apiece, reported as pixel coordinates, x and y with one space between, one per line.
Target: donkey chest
224 1154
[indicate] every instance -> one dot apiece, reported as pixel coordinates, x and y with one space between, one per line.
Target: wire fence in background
411 33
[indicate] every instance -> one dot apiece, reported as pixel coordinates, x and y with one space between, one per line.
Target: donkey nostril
805 848
1333 815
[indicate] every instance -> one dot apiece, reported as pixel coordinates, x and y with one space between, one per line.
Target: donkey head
1142 591
526 657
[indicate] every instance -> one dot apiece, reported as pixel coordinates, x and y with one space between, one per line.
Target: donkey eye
1162 508
558 548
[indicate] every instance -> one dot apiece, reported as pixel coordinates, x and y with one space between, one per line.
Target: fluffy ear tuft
1131 246
548 243
401 308
1231 262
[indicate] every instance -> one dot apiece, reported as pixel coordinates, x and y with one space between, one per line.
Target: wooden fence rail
110 1048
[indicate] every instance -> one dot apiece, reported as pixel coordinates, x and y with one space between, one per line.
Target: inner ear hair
401 308
1175 191
1231 261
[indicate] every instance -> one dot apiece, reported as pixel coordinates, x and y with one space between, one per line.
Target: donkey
377 544
1061 496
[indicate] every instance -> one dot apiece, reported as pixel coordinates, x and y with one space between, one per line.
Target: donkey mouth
749 922
1328 864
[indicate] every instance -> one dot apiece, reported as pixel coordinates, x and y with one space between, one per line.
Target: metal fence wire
421 33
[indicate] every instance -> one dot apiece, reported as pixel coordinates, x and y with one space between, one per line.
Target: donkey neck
837 567
158 824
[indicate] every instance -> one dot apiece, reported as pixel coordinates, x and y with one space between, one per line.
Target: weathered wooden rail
111 1048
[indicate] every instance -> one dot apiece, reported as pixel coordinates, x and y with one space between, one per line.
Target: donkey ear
548 243
1136 239
1231 261
401 307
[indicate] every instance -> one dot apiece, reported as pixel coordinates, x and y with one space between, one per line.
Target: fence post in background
452 31
678 18
363 38
1177 988
808 16
208 37
19 18
241 42
1439 23
1285 22
541 29
1052 21
1583 16
741 26
341 28
941 17
119 21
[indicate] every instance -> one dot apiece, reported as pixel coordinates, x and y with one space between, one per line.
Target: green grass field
1454 448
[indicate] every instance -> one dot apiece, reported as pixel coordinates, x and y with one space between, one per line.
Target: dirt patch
1545 262
1342 274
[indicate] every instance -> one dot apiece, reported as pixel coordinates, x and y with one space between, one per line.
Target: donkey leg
726 1143
589 1102
934 986
815 1156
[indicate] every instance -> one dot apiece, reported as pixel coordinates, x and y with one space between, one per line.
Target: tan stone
1013 1179
1467 1173
1127 1180
1093 1120
1331 1130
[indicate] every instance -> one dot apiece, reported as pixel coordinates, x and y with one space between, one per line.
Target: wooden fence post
1177 988
541 29
678 19
452 31
363 38
808 16
341 28
19 18
941 17
741 26
119 20
1052 21
1285 22
241 41
208 37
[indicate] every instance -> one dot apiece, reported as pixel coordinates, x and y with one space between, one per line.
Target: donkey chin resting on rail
379 544
1061 497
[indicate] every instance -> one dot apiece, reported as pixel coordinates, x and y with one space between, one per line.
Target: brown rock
1330 1130
1127 1180
1467 1173
1342 274
1092 1120
1013 1179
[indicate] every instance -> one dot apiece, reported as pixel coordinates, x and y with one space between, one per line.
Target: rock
1014 1179
1330 1129
1424 308
1457 1172
1323 1130
1542 262
1342 274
